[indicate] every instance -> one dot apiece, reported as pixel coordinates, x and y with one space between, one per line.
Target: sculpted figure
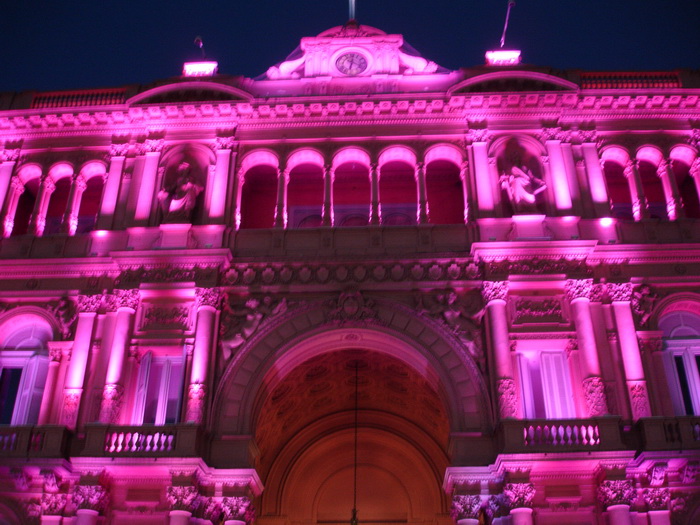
522 187
178 201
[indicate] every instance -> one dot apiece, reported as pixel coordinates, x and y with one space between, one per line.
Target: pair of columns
617 496
515 502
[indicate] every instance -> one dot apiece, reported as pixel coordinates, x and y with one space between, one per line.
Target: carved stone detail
620 292
657 498
208 297
65 312
181 498
594 393
241 318
166 317
90 303
497 506
118 150
639 399
195 403
351 305
538 311
519 495
507 398
53 504
93 497
578 288
643 301
126 299
465 507
223 143
20 479
71 404
111 403
238 508
494 290
616 492
150 146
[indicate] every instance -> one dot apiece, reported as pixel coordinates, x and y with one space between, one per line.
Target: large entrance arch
290 388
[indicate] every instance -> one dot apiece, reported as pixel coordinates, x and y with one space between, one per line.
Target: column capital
208 297
657 498
478 135
578 289
494 290
519 495
9 154
92 497
695 167
620 292
630 167
123 299
238 508
118 150
465 507
90 303
181 498
616 492
48 183
223 143
150 146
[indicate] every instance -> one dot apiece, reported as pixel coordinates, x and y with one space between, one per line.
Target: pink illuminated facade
507 256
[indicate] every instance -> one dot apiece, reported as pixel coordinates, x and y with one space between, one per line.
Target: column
151 150
37 223
110 193
486 182
374 207
596 178
8 159
10 207
578 292
88 305
657 500
207 304
328 179
558 178
419 175
639 203
616 496
519 497
238 192
674 206
47 398
464 177
695 174
126 303
621 296
217 188
70 217
465 509
495 294
281 208
237 510
90 500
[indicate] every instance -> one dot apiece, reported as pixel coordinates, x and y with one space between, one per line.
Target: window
545 385
159 390
682 347
23 368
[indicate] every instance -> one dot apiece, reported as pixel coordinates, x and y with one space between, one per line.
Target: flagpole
352 9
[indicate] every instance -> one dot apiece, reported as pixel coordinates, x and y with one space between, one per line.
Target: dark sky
66 44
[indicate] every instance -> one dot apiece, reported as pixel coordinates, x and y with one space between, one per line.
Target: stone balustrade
33 441
145 441
561 435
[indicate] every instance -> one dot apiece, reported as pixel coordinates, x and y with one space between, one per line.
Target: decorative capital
238 508
497 506
494 290
223 143
616 492
208 297
578 289
519 495
150 146
9 155
17 185
55 354
478 135
126 299
93 497
181 498
89 303
657 498
620 292
554 133
118 150
53 504
465 507
594 393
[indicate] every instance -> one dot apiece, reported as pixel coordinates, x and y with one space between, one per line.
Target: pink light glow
503 57
607 222
101 233
199 69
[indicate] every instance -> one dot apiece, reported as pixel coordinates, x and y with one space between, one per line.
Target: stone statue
522 187
178 201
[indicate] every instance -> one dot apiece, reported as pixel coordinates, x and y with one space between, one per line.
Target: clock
351 64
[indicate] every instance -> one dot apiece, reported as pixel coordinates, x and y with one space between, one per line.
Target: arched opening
687 188
259 197
305 196
653 190
25 207
90 205
304 428
445 193
57 206
351 194
618 190
397 194
681 336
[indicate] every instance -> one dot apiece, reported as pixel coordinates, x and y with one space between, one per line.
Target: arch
614 159
305 156
301 333
682 158
446 152
529 144
351 155
398 186
259 157
29 171
445 187
93 168
531 80
351 187
649 160
61 170
18 319
169 90
397 154
305 188
30 176
677 302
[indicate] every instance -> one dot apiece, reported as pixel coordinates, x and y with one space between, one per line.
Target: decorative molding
195 403
119 150
537 310
165 318
465 507
507 398
578 288
150 146
657 498
536 266
93 497
238 508
616 492
111 403
619 292
494 291
181 498
208 297
351 305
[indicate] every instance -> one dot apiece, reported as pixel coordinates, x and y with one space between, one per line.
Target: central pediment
351 50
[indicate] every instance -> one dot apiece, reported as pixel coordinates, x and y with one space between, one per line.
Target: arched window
351 195
258 197
445 193
23 368
397 194
681 332
618 190
305 196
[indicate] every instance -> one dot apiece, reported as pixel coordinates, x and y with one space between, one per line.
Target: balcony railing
33 441
561 435
670 433
144 441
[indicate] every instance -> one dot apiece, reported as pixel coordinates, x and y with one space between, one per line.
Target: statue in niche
522 187
179 199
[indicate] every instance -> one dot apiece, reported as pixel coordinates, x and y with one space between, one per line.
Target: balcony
670 433
560 435
142 441
33 441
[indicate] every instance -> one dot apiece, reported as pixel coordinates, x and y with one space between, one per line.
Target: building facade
475 292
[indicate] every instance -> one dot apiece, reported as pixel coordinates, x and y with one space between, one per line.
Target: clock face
351 63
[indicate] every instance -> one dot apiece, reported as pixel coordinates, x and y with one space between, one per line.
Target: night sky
54 44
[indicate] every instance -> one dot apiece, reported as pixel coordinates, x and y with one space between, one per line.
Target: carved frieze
538 267
537 310
124 299
169 274
161 317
